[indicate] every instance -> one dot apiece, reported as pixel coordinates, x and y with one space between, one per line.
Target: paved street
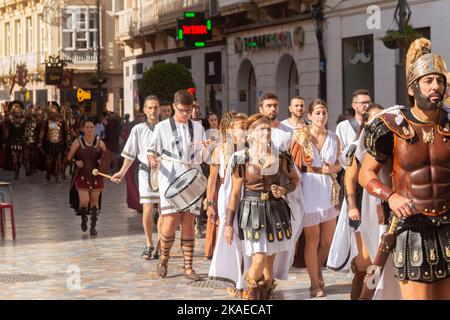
51 251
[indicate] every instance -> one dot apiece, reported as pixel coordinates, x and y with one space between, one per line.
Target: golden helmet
430 63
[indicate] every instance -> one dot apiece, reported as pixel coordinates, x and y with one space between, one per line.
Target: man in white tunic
347 129
297 109
137 146
178 145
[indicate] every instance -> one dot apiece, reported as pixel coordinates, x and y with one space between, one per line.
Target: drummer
178 144
136 146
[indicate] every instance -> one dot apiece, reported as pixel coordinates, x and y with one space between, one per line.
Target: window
7 39
81 29
18 39
29 35
357 67
41 39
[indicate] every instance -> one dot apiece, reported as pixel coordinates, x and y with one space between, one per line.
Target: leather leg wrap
187 246
166 245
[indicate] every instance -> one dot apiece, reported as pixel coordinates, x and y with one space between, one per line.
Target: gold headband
430 63
262 120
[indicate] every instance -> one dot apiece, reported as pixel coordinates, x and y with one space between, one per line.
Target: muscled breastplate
255 181
30 132
421 168
54 134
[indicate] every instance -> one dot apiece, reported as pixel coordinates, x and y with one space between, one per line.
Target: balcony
127 23
80 57
229 7
9 63
170 10
149 18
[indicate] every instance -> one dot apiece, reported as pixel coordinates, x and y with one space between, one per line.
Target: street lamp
402 15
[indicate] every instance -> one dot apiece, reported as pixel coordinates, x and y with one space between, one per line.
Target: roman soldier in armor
416 138
14 132
31 140
72 134
53 141
86 153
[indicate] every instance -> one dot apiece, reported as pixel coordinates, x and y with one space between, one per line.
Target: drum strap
176 135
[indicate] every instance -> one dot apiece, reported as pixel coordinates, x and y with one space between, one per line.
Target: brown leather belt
318 170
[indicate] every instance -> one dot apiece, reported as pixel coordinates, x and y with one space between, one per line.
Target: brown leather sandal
316 292
191 275
162 268
267 290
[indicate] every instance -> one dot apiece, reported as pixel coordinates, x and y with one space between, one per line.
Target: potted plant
394 39
98 78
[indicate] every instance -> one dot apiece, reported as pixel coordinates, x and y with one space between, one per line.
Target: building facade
275 45
32 31
147 31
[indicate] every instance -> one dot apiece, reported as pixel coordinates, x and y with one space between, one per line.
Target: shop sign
276 40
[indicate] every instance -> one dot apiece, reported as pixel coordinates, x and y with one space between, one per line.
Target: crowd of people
279 190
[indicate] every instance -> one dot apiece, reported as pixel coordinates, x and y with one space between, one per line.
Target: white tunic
227 259
317 188
287 124
346 135
163 145
136 147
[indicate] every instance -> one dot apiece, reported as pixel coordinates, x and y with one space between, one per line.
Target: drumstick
95 172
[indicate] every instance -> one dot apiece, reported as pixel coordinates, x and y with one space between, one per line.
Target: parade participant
53 139
136 148
316 150
348 244
132 174
226 260
346 130
14 133
31 140
178 141
86 153
72 134
264 217
166 111
281 140
297 109
417 141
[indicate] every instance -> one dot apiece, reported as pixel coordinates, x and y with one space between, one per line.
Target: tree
164 79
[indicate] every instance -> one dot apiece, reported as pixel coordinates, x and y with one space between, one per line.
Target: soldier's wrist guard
376 188
230 217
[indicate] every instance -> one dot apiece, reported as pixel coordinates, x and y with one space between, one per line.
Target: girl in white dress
225 264
316 150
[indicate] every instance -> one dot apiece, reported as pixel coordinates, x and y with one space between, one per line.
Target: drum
186 190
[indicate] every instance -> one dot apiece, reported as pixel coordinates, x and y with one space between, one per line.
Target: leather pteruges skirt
422 250
261 212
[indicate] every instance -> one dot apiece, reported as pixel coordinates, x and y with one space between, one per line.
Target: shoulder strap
176 136
354 123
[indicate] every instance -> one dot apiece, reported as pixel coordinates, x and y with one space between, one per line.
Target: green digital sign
194 29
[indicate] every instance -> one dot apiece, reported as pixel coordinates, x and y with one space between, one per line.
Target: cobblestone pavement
50 251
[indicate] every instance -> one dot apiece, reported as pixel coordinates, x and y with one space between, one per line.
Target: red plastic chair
3 207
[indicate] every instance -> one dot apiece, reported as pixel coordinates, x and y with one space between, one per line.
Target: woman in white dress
316 150
232 133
